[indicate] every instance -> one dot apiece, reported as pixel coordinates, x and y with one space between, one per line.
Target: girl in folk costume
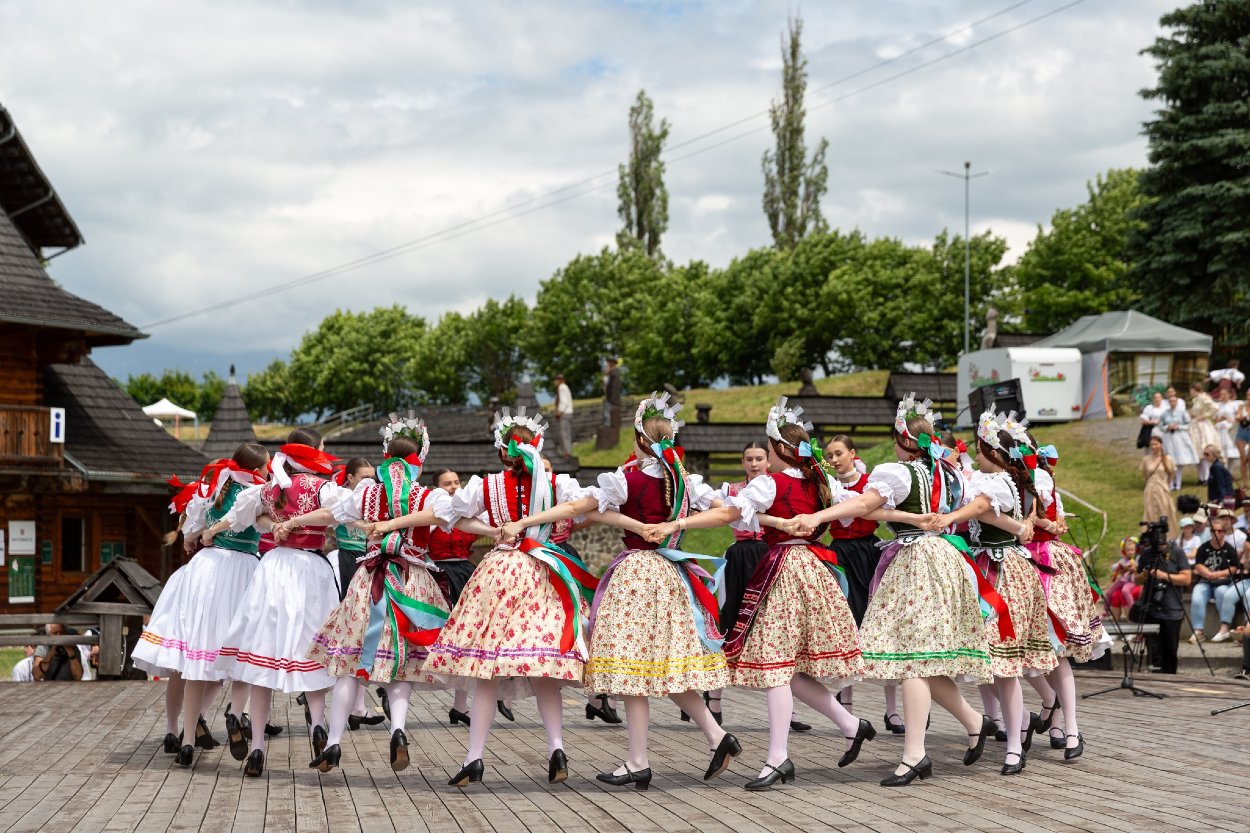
1226 425
393 607
291 593
1203 413
653 624
1174 423
515 630
195 609
1000 500
923 624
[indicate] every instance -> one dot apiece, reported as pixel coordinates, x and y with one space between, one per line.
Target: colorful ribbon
700 590
830 558
570 578
411 621
990 600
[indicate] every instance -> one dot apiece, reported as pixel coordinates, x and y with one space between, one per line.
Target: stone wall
598 545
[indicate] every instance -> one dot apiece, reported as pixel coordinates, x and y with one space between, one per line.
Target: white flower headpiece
908 408
507 420
409 426
989 425
657 405
779 415
1018 428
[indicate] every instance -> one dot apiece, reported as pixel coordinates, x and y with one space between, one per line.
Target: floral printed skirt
1072 604
644 641
1030 651
803 626
924 619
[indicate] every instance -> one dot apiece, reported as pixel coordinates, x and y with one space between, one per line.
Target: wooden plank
21 640
22 620
112 608
112 649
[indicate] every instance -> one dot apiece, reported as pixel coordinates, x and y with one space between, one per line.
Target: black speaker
1004 396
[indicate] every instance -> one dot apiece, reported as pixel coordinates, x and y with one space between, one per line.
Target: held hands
510 532
206 537
376 530
655 533
800 526
1026 531
934 522
281 532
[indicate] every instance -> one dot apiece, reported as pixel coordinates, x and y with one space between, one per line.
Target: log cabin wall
21 377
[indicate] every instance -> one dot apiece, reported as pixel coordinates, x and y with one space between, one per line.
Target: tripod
1241 594
1127 653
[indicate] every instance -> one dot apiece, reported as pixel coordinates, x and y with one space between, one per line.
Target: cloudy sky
209 150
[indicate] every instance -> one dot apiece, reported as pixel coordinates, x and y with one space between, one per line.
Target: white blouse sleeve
567 489
993 487
246 509
892 481
701 494
612 490
469 501
756 497
347 505
443 507
196 521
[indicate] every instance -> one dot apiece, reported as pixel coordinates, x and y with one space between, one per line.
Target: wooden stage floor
86 757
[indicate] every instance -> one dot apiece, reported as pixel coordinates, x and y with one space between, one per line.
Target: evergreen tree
793 184
644 200
1192 254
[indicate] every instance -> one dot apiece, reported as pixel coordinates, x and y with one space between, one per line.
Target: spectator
1171 571
1203 412
1189 541
1157 470
1174 423
24 669
1229 377
611 390
1201 527
1242 435
1124 591
57 662
1214 571
1220 489
564 415
1150 416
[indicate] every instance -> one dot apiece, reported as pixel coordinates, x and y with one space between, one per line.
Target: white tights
638 719
485 703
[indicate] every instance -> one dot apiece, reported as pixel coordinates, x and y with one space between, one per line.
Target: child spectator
1123 589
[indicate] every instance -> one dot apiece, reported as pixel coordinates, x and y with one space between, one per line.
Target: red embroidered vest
795 496
1052 514
456 544
742 534
300 498
645 503
860 527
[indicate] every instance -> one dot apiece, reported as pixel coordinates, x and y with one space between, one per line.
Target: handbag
1143 436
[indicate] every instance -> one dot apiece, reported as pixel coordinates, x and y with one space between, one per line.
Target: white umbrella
165 409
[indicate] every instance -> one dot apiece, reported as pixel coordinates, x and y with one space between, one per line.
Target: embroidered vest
349 538
507 496
860 527
795 496
561 531
917 500
741 534
645 503
456 544
992 538
246 541
300 497
396 495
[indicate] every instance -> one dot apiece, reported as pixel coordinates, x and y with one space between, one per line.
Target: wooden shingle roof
27 194
940 387
231 424
107 435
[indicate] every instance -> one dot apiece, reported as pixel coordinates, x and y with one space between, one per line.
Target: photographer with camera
57 662
1215 567
1162 570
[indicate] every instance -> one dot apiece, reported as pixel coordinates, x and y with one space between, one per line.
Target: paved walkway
86 757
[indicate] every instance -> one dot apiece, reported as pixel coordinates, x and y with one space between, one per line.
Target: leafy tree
663 347
441 366
1080 266
1191 256
270 396
178 387
802 329
734 324
493 355
644 199
793 184
212 387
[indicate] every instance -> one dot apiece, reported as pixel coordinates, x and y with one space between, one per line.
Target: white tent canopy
167 410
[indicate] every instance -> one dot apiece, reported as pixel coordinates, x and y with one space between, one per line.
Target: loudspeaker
1004 396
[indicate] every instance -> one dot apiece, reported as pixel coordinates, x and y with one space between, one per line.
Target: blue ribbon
718 570
1048 451
805 449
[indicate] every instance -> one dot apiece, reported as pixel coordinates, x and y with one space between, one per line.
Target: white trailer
1050 380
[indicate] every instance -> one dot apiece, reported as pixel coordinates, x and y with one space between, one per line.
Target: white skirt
290 596
1178 444
193 615
1227 444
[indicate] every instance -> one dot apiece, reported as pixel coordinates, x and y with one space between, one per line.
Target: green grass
9 657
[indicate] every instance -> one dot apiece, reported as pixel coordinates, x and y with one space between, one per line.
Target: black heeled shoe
385 701
399 751
302 699
974 753
725 751
895 728
354 722
1026 743
1050 716
455 716
271 730
172 743
707 701
640 779
865 732
783 773
319 739
234 735
922 769
1017 767
255 764
328 759
468 774
245 723
603 711
557 767
1000 735
505 711
685 718
185 756
1076 751
203 738
1057 742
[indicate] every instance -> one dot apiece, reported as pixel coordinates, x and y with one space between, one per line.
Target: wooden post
111 654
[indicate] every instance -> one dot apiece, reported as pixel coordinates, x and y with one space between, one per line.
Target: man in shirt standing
564 415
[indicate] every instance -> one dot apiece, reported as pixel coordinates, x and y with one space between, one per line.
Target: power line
586 186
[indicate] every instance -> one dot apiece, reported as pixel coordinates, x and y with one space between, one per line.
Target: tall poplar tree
644 200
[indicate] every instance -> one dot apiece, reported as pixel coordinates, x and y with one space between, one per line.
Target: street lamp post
967 176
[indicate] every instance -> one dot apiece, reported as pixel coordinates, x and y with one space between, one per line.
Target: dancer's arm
561 511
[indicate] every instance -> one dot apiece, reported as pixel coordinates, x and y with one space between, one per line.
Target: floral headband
506 421
908 409
410 426
657 406
989 426
779 416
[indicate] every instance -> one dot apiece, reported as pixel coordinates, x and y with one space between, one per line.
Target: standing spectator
57 662
564 415
24 669
1229 377
1227 405
1203 412
1157 470
1214 570
1175 425
1150 416
1220 489
611 390
1171 570
1242 435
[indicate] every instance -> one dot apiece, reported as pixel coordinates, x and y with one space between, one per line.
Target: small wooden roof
28 195
231 424
122 581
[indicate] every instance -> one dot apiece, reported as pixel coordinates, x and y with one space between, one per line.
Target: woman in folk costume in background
653 624
291 593
1174 423
923 624
999 502
1226 424
393 607
515 630
1203 412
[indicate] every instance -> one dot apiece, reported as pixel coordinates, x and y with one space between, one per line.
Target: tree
1080 266
178 387
270 396
662 348
735 323
793 184
494 358
1191 256
644 200
441 364
802 330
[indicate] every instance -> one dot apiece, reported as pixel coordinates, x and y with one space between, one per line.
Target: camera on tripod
1152 553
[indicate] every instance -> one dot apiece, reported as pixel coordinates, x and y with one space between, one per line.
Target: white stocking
692 704
260 702
173 702
814 694
891 698
341 707
461 703
358 703
1012 700
399 694
917 699
1065 690
317 706
551 710
780 712
240 692
192 698
483 714
637 720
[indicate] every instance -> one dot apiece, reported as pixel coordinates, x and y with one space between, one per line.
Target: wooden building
82 470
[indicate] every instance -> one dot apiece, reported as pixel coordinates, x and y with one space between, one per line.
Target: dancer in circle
516 629
923 624
196 607
654 621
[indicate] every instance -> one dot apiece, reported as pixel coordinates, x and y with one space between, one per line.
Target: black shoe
1000 734
922 769
245 723
800 726
302 699
640 779
1026 743
783 773
234 735
865 732
1050 716
271 730
255 764
707 701
172 744
1076 751
455 716
685 718
328 759
185 755
974 753
354 722
895 728
1057 742
386 702
603 711
319 739
203 738
724 753
1017 767
399 751
505 711
468 774
557 768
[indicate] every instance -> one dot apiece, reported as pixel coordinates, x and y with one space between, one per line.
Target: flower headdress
778 416
410 426
507 420
1022 449
989 426
657 405
908 409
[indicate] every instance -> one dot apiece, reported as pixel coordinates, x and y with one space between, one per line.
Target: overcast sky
207 150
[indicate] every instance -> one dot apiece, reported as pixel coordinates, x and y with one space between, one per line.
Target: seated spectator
57 662
1124 591
1188 540
24 669
1214 570
1220 489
